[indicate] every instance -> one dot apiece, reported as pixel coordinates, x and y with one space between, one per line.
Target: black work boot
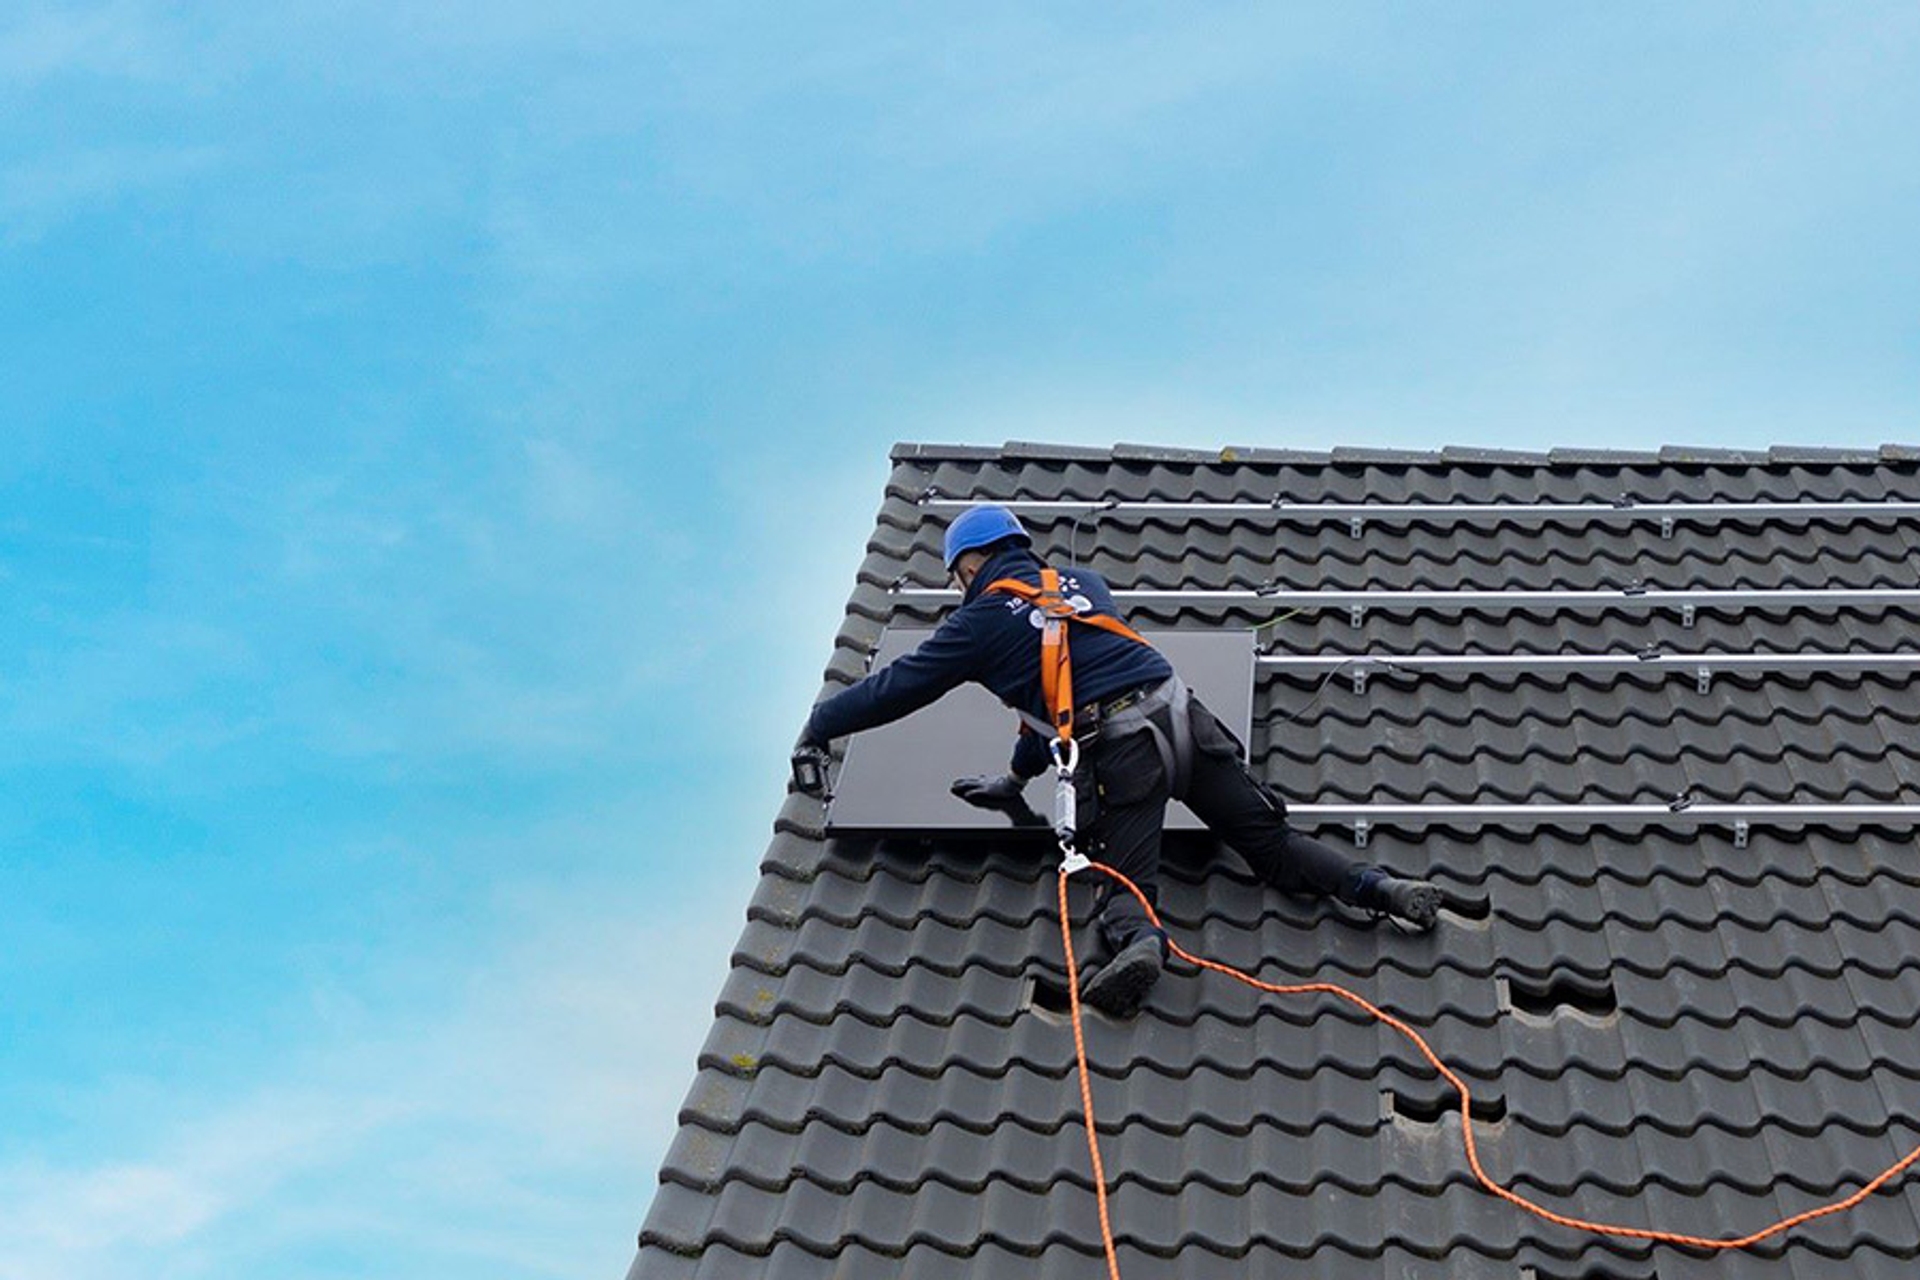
1414 903
1119 987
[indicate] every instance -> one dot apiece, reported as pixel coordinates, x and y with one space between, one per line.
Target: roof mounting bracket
1361 830
1742 832
1354 526
1687 614
1666 528
1703 680
1356 614
1359 680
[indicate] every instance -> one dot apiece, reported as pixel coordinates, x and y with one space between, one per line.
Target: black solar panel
896 778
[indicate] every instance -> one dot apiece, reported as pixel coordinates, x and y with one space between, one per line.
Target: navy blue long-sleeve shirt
991 640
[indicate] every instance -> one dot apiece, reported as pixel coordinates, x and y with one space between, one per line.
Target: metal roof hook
1681 802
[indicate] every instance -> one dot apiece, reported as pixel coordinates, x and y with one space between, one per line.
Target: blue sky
436 443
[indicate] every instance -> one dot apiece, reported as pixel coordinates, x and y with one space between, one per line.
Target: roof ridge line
1451 455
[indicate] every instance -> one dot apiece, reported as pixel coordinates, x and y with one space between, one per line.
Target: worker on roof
1144 739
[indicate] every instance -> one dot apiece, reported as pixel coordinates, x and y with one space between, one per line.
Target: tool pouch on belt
1165 717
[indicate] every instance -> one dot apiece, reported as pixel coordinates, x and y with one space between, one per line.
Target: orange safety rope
1460 1086
1086 1086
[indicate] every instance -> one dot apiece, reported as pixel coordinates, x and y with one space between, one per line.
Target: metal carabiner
1066 818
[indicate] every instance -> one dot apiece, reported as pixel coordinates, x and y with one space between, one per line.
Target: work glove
1003 792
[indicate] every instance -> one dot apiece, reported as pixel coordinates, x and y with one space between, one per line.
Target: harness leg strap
1174 743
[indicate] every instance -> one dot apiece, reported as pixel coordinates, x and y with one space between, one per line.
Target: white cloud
142 689
43 42
520 1124
37 195
87 1221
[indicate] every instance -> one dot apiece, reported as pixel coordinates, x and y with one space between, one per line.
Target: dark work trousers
1125 785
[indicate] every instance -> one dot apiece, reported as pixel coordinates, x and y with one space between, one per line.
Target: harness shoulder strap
1035 595
1056 661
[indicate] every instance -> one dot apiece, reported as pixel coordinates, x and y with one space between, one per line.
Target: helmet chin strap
967 569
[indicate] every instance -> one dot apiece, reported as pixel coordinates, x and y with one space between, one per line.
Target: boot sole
1119 989
1422 907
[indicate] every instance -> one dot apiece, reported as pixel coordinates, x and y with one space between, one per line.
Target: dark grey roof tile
681 1218
795 851
780 898
717 1100
1351 456
1602 458
1468 456
906 451
1135 453
1685 455
1030 451
1781 455
869 994
1265 457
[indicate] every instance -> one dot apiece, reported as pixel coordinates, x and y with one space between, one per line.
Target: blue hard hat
982 526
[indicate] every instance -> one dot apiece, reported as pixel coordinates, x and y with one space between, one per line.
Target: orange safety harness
1057 609
1056 683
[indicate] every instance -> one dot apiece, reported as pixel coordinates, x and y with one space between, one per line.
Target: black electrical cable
1073 536
1321 688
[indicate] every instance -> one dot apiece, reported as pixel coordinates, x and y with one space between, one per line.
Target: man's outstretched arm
945 660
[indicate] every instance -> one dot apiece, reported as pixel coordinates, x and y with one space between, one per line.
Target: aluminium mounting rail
1863 814
1740 819
1552 663
1623 510
1494 601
